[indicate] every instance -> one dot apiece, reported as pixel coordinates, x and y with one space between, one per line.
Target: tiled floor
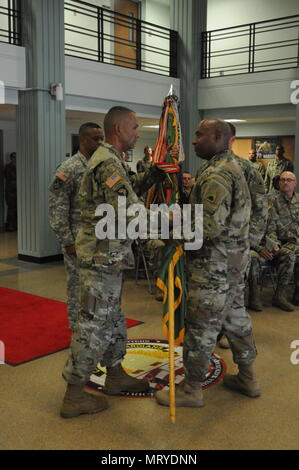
31 394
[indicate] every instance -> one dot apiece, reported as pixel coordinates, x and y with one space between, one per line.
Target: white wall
266 129
227 13
109 82
12 68
157 13
260 89
74 15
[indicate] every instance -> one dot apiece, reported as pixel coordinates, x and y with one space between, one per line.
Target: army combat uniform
64 215
100 334
216 271
260 168
276 167
143 165
283 232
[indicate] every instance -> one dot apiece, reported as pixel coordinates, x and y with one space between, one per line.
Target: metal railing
10 22
257 47
103 35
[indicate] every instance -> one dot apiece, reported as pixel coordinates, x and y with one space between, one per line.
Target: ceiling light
152 127
235 120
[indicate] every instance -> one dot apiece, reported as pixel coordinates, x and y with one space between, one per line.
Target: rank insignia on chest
111 182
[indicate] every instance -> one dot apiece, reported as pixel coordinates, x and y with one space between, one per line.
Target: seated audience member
280 246
276 166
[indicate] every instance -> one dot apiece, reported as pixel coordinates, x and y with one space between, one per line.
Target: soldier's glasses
286 180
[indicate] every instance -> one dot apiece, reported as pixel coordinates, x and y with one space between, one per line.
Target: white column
40 126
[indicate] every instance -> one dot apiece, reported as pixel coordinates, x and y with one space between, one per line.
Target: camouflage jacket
260 168
283 226
223 191
64 210
276 167
143 165
106 179
259 202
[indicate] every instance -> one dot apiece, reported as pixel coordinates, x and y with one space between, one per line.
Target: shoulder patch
111 182
62 176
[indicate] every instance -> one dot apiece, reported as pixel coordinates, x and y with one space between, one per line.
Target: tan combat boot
118 380
185 395
295 299
279 300
77 402
244 382
254 298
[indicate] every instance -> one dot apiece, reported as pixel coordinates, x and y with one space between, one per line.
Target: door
125 33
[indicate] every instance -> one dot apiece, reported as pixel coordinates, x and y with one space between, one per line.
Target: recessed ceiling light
235 120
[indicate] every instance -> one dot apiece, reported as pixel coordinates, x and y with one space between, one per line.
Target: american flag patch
62 176
110 182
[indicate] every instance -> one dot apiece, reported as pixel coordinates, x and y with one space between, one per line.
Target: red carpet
33 326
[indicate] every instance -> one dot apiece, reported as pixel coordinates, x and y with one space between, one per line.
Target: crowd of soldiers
235 224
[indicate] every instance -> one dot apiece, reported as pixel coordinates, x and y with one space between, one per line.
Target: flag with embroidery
170 136
174 259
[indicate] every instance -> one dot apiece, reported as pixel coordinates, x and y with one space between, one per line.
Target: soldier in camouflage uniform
258 220
217 270
100 334
64 211
258 165
281 244
276 167
146 163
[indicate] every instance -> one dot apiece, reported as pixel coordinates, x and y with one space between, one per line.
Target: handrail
139 44
253 39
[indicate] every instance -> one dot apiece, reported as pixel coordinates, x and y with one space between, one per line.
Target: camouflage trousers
215 307
73 288
286 263
100 334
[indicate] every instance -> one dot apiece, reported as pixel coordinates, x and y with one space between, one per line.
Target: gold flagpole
171 342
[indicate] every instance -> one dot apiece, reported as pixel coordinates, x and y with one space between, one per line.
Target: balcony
257 47
10 22
102 35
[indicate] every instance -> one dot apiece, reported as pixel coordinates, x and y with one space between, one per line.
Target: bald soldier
64 211
216 271
276 166
100 334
